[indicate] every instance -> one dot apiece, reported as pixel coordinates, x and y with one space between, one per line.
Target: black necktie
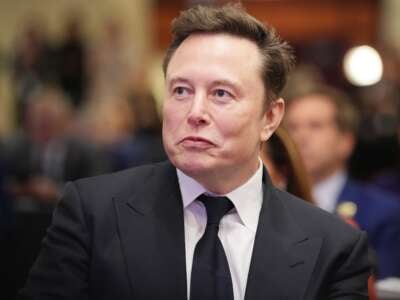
211 278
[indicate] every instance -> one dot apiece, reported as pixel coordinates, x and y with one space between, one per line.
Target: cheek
229 128
320 139
330 141
168 126
240 132
172 117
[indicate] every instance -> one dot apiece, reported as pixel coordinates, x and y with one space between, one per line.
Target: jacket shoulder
124 183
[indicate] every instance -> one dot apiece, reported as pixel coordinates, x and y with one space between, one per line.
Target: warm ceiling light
363 66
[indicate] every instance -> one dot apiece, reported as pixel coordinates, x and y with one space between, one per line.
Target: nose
300 136
198 113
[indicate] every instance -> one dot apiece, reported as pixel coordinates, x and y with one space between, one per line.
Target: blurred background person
44 154
128 129
105 121
33 64
143 144
40 158
112 62
378 137
72 62
323 122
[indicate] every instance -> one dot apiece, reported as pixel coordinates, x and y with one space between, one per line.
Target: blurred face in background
47 116
214 116
311 121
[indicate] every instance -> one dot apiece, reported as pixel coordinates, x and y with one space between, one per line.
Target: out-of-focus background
81 89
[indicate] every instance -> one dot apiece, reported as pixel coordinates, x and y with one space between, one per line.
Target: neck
321 176
222 183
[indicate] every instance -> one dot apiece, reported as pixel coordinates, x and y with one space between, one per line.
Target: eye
180 91
222 95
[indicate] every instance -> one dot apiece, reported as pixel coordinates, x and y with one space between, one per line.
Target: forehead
312 107
217 53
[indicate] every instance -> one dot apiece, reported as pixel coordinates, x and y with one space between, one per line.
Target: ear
272 118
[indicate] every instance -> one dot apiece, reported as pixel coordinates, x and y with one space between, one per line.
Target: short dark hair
347 117
277 55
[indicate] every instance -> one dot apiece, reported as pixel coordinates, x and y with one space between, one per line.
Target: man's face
214 115
324 148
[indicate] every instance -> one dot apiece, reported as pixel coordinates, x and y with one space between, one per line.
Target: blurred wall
297 21
390 23
133 15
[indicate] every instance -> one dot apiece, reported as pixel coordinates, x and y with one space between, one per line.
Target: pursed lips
196 142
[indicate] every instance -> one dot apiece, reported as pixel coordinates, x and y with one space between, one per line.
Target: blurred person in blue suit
323 123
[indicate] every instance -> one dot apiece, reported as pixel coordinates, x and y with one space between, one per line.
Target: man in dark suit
323 123
208 224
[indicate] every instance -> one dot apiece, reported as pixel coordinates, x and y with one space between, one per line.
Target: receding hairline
257 65
277 56
222 34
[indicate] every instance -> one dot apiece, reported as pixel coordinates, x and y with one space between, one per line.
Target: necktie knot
216 207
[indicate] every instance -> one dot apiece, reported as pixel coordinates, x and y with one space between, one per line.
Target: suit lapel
151 229
152 236
283 256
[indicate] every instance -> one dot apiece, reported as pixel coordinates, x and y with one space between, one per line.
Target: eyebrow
174 80
225 82
231 84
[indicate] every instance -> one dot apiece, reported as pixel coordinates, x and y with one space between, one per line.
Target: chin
191 166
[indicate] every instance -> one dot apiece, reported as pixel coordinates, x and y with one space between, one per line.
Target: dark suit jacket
121 236
378 213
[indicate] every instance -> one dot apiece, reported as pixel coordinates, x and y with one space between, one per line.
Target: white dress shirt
237 228
326 192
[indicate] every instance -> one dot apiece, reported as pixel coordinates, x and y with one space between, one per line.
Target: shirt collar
246 198
190 188
327 191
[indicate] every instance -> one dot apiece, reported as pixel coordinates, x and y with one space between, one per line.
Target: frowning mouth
196 142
